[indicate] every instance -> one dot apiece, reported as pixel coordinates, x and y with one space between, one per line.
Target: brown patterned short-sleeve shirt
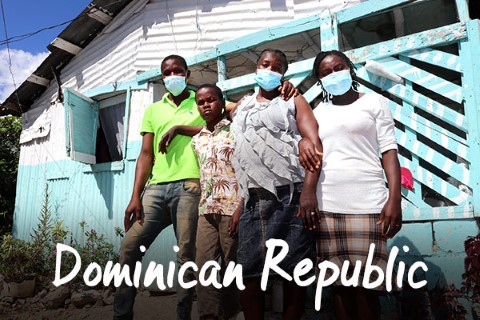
217 177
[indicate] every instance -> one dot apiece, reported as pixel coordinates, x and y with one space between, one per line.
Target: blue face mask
267 79
337 83
175 84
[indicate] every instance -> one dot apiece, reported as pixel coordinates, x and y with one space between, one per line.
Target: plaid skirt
347 237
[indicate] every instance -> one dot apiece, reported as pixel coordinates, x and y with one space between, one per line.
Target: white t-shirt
353 136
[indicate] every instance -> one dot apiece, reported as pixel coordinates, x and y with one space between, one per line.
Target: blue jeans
163 204
265 217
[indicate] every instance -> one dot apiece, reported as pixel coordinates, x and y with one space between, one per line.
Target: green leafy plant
40 255
96 248
10 128
18 259
41 234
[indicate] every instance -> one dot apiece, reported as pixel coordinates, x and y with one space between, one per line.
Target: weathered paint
438 36
421 246
450 235
469 52
435 57
99 194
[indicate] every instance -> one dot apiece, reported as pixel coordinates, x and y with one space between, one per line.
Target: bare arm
143 170
168 137
308 127
234 221
391 215
231 107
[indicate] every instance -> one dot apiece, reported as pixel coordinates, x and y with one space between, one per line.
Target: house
83 106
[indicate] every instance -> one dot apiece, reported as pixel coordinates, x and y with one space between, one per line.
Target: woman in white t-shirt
356 208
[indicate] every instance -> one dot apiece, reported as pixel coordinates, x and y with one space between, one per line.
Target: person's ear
187 76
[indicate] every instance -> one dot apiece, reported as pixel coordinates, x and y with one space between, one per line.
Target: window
110 134
95 128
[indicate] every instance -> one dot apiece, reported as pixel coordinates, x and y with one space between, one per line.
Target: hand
391 218
134 208
308 210
167 139
287 90
310 157
234 221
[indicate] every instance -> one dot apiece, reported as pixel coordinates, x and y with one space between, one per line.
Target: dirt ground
146 307
151 305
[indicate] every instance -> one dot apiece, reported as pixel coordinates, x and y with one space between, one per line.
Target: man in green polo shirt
173 192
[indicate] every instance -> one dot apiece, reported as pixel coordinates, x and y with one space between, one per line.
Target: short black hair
341 55
279 53
175 57
215 87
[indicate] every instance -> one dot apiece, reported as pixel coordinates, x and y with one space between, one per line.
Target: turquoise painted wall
76 193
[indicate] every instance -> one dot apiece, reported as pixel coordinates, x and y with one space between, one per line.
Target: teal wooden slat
126 122
328 31
469 52
149 75
430 38
66 94
209 55
436 183
312 93
299 67
432 131
269 34
296 70
257 38
462 10
222 68
297 79
412 213
414 196
239 83
410 142
429 105
423 78
436 57
367 8
445 138
115 87
83 123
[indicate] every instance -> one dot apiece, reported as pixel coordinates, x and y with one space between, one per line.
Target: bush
18 259
471 277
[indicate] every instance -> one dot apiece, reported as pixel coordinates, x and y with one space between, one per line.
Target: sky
23 17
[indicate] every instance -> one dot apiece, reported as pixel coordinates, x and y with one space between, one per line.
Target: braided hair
316 64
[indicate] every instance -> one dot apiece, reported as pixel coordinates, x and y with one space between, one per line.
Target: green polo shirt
180 161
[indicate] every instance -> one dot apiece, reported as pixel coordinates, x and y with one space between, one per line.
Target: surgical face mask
267 79
337 83
175 84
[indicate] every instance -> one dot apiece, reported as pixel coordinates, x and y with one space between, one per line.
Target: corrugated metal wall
137 40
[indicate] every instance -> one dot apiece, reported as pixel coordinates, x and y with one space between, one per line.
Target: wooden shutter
81 120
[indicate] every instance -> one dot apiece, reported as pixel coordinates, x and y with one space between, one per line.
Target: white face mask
337 83
175 84
268 80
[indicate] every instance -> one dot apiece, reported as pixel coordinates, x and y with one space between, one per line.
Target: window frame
96 95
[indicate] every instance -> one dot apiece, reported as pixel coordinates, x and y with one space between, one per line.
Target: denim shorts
266 217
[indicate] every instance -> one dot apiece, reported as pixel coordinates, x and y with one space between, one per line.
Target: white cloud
23 65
